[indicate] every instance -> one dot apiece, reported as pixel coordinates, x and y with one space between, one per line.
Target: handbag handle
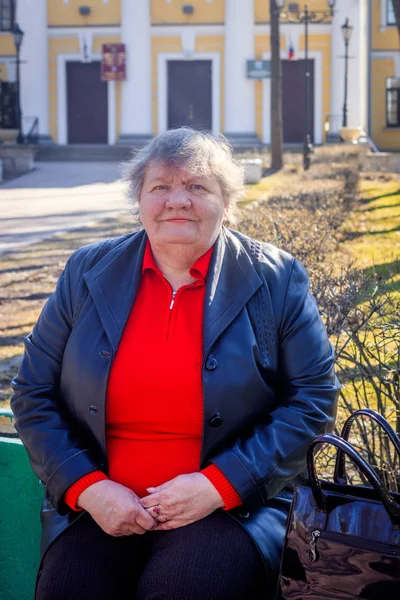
340 464
391 506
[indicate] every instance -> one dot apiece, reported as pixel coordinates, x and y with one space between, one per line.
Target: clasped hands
180 501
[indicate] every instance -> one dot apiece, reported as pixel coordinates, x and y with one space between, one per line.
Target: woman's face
176 207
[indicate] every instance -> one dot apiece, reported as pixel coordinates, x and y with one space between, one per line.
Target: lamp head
280 3
347 30
331 4
18 35
85 10
188 9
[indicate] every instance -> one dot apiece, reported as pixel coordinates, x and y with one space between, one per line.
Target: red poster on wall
113 62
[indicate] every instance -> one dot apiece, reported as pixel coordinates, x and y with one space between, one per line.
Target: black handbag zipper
313 545
349 540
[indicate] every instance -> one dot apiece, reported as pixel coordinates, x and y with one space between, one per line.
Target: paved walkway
58 197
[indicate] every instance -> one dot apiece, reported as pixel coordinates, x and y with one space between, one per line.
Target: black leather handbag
343 541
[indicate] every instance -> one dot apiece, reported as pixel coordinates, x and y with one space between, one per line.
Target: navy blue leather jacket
268 377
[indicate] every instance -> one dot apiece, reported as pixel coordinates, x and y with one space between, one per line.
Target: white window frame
384 16
387 14
62 119
162 83
318 91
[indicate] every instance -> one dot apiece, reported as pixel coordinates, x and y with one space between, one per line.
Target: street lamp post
18 35
347 30
306 16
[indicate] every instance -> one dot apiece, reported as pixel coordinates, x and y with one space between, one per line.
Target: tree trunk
276 90
396 6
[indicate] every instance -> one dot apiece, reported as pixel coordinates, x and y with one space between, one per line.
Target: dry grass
27 278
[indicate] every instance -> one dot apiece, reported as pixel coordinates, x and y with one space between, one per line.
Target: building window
6 15
8 103
393 102
390 17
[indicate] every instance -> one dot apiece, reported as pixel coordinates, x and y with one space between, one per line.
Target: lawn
373 230
372 240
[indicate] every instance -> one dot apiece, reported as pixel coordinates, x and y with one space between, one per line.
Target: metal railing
31 126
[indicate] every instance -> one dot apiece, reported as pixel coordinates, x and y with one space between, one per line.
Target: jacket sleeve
43 424
260 464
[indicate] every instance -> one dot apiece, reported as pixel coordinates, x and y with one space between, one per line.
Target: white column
31 16
239 91
363 49
136 126
356 12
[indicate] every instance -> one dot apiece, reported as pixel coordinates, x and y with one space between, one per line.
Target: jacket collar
232 280
114 281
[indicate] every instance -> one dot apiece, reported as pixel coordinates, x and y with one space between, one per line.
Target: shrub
362 317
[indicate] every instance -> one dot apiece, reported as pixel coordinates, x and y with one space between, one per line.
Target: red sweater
154 416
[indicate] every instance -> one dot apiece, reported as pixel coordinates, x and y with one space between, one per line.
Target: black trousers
212 559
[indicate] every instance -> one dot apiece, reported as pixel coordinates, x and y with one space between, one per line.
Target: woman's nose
179 198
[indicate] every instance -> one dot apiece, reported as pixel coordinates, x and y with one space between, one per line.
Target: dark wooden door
87 104
190 94
294 100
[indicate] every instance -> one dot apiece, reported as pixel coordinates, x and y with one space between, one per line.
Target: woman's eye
197 186
160 187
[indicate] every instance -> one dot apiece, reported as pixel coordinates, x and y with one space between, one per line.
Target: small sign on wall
113 62
258 69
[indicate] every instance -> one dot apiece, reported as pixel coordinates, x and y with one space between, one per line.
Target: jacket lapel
114 281
113 284
231 282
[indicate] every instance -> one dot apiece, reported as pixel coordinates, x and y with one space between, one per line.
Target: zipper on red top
172 300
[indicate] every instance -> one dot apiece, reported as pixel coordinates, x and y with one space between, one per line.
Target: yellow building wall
57 46
97 43
382 40
7 47
3 71
160 44
215 44
385 138
62 15
164 13
262 43
321 43
262 15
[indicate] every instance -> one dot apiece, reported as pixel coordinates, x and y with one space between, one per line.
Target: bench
21 495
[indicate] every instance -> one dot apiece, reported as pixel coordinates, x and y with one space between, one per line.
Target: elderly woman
168 393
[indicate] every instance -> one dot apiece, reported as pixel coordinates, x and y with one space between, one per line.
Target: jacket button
211 363
94 409
216 420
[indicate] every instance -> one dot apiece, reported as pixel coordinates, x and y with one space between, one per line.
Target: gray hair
194 151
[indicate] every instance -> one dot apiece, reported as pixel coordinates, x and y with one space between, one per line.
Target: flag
291 49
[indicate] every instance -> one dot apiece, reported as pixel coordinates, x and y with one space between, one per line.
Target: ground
57 197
